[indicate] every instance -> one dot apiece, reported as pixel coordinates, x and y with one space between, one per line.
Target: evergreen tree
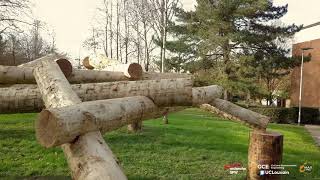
227 32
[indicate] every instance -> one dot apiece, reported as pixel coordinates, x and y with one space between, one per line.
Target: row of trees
21 37
132 31
239 44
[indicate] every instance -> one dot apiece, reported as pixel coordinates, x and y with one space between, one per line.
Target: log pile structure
78 106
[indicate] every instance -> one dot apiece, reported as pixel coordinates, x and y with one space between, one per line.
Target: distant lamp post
301 83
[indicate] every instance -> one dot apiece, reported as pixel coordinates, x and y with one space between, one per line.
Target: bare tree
33 44
11 13
111 31
162 15
92 42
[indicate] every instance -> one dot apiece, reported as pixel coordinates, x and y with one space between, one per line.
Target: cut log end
65 66
86 63
135 71
46 129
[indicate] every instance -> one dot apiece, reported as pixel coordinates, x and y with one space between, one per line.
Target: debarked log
132 71
23 74
27 98
58 126
61 125
89 157
234 112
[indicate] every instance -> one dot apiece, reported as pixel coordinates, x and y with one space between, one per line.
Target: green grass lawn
195 145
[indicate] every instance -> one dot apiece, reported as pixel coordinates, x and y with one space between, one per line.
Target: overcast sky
71 19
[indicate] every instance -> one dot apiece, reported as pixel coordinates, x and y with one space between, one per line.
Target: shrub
278 115
289 115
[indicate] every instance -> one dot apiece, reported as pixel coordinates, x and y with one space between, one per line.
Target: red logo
233 165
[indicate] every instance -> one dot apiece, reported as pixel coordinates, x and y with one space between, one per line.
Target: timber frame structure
76 116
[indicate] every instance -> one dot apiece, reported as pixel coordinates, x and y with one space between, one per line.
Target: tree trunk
265 148
14 75
237 113
111 32
23 74
93 76
27 98
63 63
88 156
57 126
133 70
61 125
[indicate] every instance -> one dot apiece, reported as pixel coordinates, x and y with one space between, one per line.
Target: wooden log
88 156
63 63
132 71
92 76
206 94
61 125
234 112
53 128
56 126
265 148
23 75
27 98
15 75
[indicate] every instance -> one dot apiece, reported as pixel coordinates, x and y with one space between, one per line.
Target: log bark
88 156
61 125
15 75
56 126
133 71
265 148
92 76
23 75
27 98
237 113
206 94
63 63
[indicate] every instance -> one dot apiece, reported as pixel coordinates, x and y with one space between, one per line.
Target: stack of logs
76 116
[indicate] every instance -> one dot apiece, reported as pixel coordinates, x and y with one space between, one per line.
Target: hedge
289 115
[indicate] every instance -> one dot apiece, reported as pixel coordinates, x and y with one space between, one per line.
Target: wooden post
265 148
89 157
